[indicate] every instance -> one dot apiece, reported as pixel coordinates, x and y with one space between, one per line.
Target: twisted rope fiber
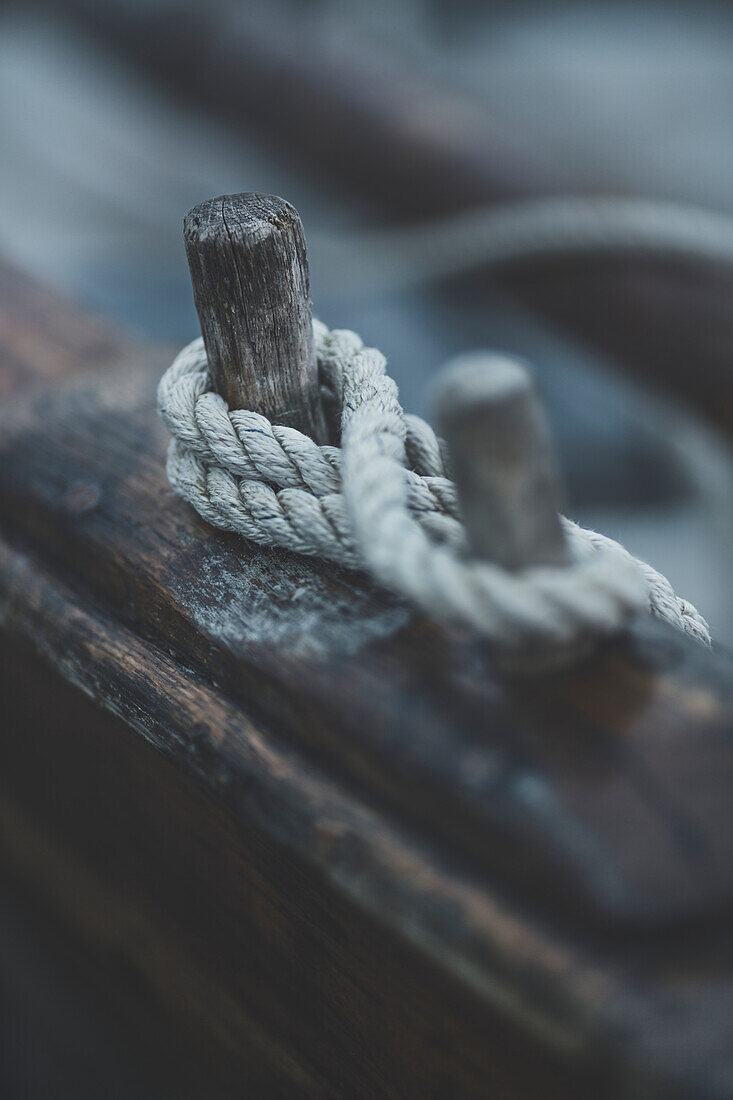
382 501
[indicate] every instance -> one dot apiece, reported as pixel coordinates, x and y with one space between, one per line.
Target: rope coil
383 502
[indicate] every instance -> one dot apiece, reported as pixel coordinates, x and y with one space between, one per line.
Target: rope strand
383 502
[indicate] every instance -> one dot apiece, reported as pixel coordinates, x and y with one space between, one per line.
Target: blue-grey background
98 166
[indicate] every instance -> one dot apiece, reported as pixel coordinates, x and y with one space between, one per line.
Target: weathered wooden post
251 286
503 461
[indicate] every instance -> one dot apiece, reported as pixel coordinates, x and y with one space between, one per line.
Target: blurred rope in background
100 164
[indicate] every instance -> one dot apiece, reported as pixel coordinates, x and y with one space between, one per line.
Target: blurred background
117 116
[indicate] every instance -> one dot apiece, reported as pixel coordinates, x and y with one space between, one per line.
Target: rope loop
383 501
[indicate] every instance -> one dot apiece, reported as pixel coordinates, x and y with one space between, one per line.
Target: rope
382 502
531 229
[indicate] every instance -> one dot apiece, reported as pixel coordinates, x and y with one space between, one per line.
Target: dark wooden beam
561 852
221 957
355 676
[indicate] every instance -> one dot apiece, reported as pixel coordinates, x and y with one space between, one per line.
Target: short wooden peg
503 461
251 287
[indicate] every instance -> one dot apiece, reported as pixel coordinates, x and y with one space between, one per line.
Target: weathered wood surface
250 894
249 271
373 122
356 676
46 337
273 979
347 791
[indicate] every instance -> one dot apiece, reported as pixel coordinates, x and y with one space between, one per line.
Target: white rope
383 502
529 229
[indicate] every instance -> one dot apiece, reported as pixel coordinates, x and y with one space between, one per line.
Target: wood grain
543 871
352 674
249 271
255 963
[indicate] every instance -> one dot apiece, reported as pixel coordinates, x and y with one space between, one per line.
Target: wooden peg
504 466
251 287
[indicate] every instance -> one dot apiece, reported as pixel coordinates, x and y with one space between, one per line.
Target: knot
384 502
